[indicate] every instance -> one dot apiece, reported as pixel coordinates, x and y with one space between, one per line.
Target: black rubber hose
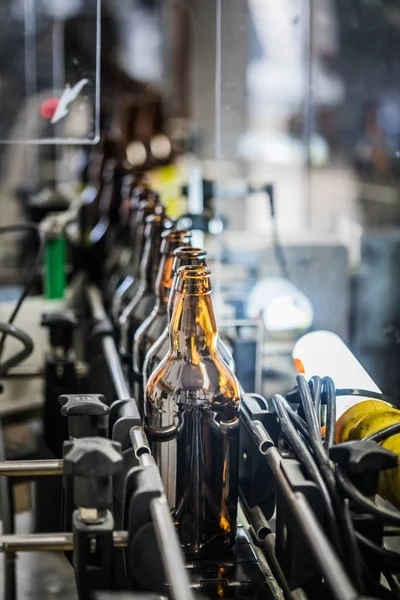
22 337
315 384
34 272
306 459
330 395
350 490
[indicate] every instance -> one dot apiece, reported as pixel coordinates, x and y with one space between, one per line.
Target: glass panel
50 87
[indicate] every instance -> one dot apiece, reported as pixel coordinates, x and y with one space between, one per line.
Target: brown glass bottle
148 204
182 257
144 300
153 327
192 420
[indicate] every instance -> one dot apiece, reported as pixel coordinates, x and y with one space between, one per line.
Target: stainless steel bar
139 443
27 468
95 303
46 542
178 580
110 351
117 374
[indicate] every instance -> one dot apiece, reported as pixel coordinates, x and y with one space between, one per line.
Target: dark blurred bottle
158 351
192 421
148 204
144 300
155 324
122 251
101 197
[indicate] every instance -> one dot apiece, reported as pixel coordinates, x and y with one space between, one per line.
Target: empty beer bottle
148 204
183 257
153 327
158 351
192 421
144 300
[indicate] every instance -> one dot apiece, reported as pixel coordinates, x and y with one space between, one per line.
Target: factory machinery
160 492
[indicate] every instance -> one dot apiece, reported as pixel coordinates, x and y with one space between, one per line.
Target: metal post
171 552
110 351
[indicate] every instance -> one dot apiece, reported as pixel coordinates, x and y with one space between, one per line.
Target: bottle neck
164 282
150 261
193 329
188 259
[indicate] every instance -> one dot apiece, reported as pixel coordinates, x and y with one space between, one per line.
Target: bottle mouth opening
194 279
190 252
170 239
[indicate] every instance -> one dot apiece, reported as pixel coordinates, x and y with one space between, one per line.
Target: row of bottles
158 288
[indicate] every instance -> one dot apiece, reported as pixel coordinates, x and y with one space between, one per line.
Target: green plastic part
55 278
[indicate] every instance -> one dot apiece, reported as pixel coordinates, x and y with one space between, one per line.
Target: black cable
293 395
22 337
315 384
376 589
383 434
393 583
330 397
310 416
367 394
328 475
306 459
279 253
297 421
36 268
350 490
384 557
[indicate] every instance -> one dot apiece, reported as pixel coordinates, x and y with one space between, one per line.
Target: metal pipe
326 558
28 468
116 372
95 303
140 443
171 553
108 344
46 542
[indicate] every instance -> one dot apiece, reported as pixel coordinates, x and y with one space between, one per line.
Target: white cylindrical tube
324 353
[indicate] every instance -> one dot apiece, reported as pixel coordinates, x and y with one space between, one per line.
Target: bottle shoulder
209 381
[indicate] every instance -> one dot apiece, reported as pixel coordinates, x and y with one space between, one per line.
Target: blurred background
272 126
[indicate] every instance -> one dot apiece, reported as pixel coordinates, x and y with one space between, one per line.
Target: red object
49 107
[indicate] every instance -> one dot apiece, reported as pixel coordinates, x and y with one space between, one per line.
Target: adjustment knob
61 327
363 459
83 404
86 414
92 462
362 456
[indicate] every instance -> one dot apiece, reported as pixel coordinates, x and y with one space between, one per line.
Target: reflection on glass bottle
144 300
158 351
148 204
192 420
153 327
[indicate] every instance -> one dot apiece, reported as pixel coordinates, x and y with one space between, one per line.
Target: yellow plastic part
364 419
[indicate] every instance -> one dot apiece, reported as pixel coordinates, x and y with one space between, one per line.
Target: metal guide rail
136 544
